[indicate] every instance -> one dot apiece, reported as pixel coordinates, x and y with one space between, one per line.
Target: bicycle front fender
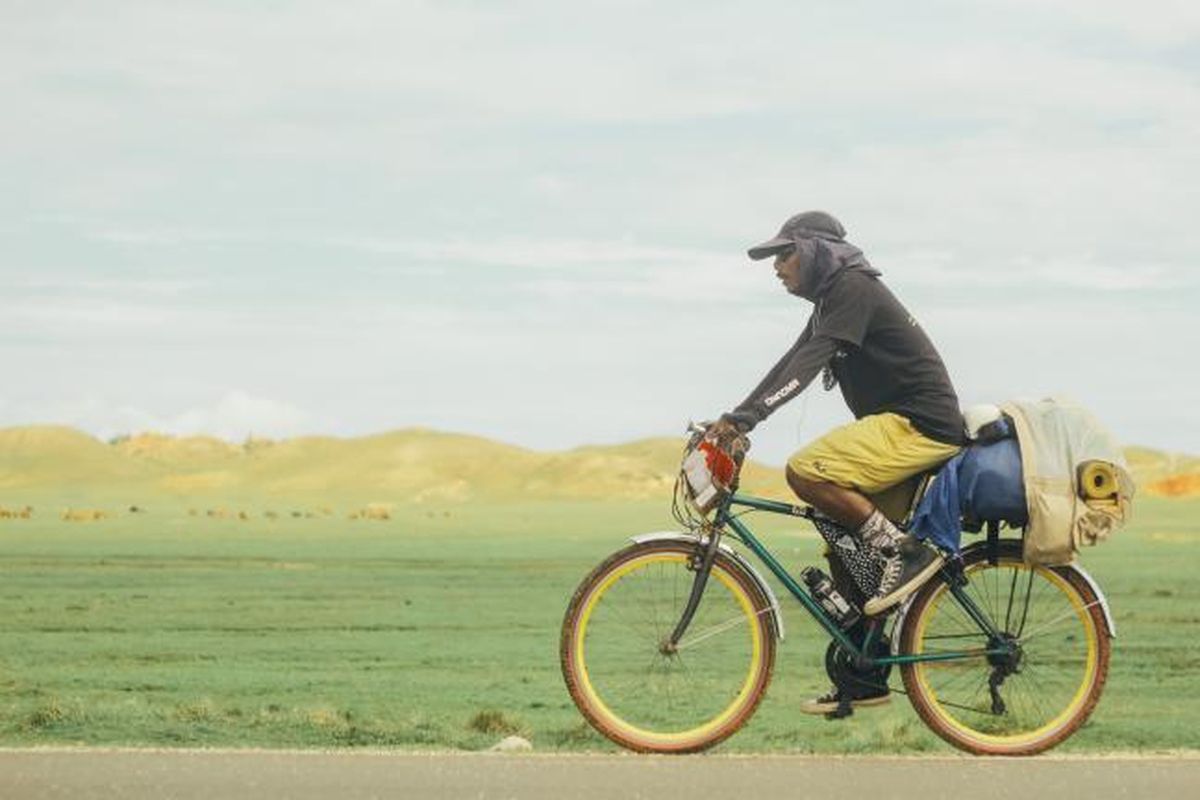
738 558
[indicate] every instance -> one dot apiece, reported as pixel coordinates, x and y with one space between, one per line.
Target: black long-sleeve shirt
878 353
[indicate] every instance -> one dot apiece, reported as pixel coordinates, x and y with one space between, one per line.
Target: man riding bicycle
891 377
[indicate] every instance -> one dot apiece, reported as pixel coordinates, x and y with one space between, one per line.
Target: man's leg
851 509
871 454
847 506
909 563
853 455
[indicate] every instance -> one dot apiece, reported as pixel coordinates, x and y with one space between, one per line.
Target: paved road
234 774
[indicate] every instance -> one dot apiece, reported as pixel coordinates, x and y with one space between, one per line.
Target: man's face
789 269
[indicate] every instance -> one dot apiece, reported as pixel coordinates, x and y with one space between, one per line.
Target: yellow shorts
870 454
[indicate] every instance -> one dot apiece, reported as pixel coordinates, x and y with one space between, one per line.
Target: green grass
439 629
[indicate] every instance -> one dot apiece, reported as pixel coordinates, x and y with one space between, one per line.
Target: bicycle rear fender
738 558
1109 622
1108 617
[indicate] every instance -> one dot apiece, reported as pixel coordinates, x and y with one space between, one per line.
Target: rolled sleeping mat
1097 480
1108 505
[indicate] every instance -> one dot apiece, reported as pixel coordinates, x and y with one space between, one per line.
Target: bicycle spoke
1012 593
732 622
626 667
1043 630
1045 621
1025 608
642 630
975 635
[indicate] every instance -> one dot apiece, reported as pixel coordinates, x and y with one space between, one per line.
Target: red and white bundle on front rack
710 470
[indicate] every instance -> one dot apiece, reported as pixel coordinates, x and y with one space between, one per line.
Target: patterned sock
879 532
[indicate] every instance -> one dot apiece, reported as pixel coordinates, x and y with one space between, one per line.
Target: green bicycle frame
723 519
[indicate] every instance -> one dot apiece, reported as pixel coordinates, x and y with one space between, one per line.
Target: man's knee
847 506
807 489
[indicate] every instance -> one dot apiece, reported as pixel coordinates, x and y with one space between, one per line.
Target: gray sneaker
906 570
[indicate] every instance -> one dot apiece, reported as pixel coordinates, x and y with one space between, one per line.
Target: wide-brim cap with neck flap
807 224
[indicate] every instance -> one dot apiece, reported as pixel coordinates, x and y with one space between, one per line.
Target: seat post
993 542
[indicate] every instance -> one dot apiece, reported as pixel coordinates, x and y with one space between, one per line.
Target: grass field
439 629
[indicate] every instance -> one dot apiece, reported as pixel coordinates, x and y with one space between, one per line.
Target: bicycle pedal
843 710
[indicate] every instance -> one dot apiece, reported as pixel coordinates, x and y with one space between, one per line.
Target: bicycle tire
591 675
1076 633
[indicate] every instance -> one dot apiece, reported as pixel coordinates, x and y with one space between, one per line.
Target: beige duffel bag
1077 485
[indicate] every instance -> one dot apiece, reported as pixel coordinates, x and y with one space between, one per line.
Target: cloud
109 318
429 198
233 416
1158 23
1038 273
424 108
52 284
238 414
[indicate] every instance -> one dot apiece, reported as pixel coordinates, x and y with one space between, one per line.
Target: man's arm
790 376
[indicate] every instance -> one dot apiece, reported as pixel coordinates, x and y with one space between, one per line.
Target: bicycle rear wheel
1017 705
646 697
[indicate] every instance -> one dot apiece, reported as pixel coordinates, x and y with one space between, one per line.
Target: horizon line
252 438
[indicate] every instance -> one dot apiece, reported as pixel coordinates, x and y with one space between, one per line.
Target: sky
528 220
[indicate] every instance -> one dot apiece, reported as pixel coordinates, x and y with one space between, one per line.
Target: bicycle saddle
898 502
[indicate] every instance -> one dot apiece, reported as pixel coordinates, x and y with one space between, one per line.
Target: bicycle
668 645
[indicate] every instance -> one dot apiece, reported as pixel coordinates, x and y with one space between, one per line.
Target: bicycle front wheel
1029 700
651 698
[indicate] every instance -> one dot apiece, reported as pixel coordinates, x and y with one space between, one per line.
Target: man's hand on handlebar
722 431
729 437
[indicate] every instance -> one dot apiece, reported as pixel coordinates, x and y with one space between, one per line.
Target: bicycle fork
701 563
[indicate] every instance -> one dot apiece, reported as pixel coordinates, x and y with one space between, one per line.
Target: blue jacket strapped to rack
982 483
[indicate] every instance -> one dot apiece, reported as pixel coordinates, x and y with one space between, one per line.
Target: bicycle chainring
853 680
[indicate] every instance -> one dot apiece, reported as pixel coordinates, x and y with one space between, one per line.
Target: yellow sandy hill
47 455
188 452
413 465
400 462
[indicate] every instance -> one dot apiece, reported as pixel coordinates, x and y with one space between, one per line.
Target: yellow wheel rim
674 738
1075 613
